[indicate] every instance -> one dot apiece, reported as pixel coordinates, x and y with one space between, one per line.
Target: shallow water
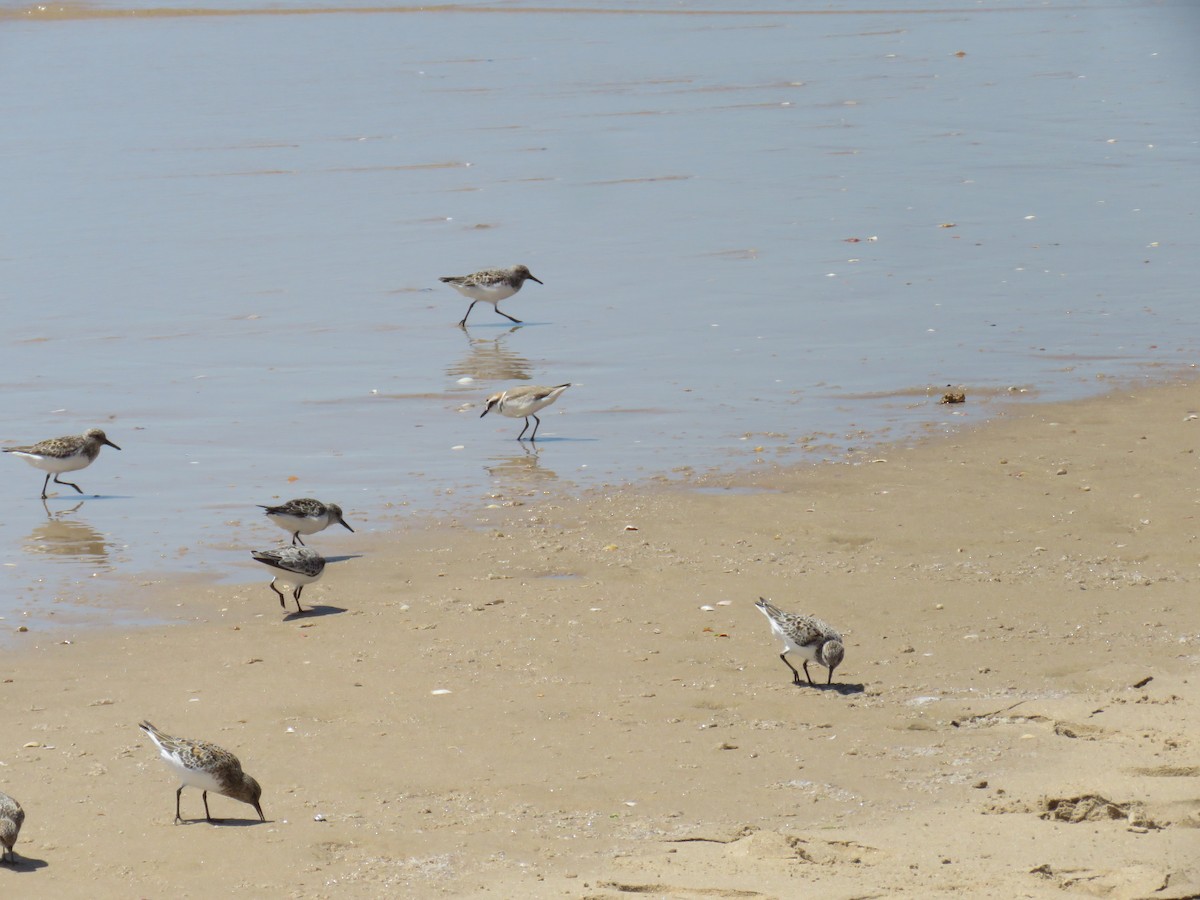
768 228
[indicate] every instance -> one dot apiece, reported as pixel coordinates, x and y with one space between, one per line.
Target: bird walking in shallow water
808 635
64 454
523 402
490 286
305 516
11 817
208 767
296 566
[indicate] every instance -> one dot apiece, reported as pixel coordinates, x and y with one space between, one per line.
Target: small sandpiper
207 767
490 286
11 817
816 640
64 454
305 516
523 402
296 566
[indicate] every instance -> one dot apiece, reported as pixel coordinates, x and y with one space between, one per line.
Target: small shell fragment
440 691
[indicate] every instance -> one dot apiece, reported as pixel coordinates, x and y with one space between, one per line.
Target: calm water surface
773 228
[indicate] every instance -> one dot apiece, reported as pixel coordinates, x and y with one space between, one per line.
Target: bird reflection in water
489 360
522 469
64 536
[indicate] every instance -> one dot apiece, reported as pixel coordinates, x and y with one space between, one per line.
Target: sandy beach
577 697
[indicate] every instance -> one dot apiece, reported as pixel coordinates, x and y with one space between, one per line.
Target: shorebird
816 640
207 767
490 286
296 566
523 402
11 817
305 516
64 454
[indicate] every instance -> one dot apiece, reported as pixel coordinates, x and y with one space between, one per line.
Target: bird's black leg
45 484
809 677
533 437
296 597
523 430
178 817
463 323
297 539
207 817
830 680
795 674
507 316
279 593
68 484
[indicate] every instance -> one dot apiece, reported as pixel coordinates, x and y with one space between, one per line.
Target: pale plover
808 635
296 566
305 516
11 817
523 402
64 454
206 766
490 286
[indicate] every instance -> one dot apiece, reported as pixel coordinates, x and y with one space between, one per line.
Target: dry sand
1016 715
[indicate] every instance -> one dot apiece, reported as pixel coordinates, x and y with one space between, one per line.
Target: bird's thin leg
795 674
830 681
279 593
178 817
45 484
297 539
507 316
533 437
207 817
523 430
463 323
68 484
806 675
296 597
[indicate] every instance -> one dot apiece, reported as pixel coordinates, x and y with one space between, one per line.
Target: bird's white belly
193 777
809 652
54 464
491 295
294 579
790 646
524 408
302 524
518 412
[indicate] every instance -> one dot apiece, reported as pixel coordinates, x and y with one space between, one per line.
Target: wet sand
1016 714
771 224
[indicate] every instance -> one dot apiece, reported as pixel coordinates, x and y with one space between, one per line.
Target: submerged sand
580 700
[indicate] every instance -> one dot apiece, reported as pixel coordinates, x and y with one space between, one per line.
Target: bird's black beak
111 444
261 817
538 280
347 527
